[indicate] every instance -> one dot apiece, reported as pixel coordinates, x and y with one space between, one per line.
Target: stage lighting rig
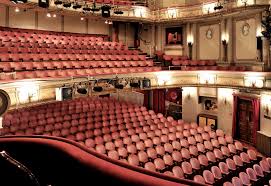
218 6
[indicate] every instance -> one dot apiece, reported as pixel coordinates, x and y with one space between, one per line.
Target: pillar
230 36
195 41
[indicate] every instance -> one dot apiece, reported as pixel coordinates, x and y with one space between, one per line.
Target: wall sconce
255 82
27 93
190 45
172 13
207 78
163 78
225 49
266 102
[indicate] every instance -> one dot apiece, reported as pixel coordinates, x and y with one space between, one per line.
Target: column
159 38
186 39
195 41
230 36
266 53
152 45
222 37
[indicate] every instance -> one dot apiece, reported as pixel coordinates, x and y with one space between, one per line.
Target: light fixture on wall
82 18
108 22
266 103
225 49
254 81
172 12
244 2
206 78
17 9
48 15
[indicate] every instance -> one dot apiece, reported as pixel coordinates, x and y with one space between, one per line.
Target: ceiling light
17 9
67 5
48 15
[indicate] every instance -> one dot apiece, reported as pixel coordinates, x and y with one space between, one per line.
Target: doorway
246 118
244 129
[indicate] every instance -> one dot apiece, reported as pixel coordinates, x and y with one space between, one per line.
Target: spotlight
119 86
105 11
135 83
98 89
146 83
86 8
94 8
17 9
67 5
76 6
82 90
58 2
218 6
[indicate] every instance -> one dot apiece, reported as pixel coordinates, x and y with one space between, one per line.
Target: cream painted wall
2 15
74 24
122 33
130 35
245 46
265 126
22 19
97 27
209 48
225 109
46 23
190 104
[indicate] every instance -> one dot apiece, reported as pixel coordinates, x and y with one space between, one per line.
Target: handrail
20 166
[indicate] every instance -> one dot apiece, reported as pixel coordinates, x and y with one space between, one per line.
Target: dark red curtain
256 117
158 101
234 115
146 98
116 32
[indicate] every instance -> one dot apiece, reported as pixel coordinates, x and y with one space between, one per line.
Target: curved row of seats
68 45
51 35
193 63
68 57
61 73
66 51
222 68
132 134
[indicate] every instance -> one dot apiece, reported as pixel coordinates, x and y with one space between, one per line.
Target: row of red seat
174 57
31 33
222 68
66 51
193 62
68 45
4 57
30 66
142 138
61 73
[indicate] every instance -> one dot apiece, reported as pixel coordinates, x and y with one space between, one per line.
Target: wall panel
98 27
74 24
22 19
245 45
2 15
209 48
46 23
